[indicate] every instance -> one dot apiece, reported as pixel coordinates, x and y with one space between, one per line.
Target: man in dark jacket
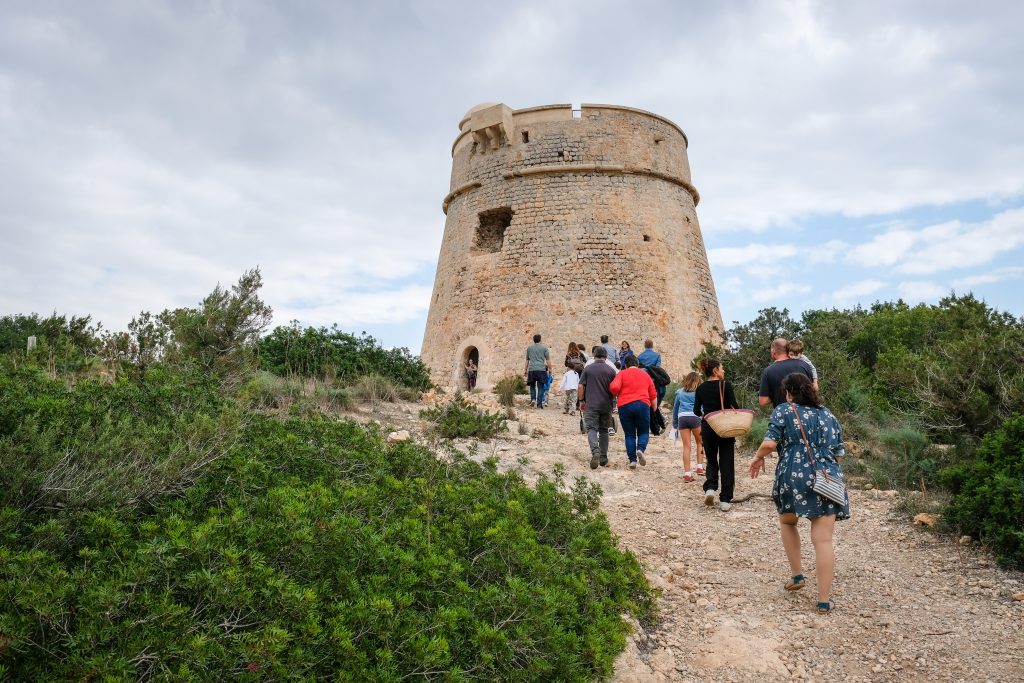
596 399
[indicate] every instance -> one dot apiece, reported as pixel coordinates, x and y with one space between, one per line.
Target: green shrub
290 395
757 431
92 445
375 389
314 551
459 418
508 387
906 458
266 391
327 353
410 394
988 492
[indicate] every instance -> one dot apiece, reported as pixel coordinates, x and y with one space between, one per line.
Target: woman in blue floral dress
792 491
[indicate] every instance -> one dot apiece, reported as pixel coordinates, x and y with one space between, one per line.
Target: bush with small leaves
508 387
316 551
459 418
375 389
988 492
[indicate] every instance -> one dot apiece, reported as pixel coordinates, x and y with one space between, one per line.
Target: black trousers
721 457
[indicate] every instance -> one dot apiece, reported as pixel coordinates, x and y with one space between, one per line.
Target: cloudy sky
845 152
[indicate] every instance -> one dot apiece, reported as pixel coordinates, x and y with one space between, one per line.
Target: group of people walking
805 434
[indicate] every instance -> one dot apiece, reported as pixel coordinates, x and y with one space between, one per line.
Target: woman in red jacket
637 396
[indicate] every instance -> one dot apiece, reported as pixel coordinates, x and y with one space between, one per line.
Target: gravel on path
910 605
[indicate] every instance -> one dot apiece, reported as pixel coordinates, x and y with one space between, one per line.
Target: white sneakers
632 464
640 458
709 500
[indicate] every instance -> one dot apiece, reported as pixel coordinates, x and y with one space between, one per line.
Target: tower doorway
471 367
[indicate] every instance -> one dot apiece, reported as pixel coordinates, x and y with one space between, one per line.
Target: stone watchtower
570 224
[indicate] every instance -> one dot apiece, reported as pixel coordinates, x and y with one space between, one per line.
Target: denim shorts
688 422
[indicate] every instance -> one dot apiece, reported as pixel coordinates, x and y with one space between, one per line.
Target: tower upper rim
564 111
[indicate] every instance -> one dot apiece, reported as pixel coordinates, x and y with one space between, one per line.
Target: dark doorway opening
471 367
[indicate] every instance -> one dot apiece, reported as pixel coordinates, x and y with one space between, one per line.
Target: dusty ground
910 605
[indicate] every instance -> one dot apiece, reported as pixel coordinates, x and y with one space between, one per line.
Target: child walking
570 385
684 420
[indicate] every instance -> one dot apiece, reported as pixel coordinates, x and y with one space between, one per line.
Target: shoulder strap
807 445
721 393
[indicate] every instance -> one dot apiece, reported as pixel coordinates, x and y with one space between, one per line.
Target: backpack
658 375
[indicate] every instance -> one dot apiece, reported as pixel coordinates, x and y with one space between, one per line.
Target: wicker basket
731 422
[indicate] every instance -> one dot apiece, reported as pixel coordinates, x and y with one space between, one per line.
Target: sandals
796 583
825 607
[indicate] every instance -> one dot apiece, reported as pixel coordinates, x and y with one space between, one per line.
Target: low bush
988 492
327 353
267 391
375 389
410 394
91 445
459 418
287 395
508 387
315 551
906 459
757 431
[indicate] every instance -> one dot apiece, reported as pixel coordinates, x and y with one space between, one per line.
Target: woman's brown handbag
729 422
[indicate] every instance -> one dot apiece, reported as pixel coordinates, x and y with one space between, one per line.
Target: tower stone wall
568 224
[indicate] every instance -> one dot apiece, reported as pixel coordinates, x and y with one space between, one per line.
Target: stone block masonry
568 226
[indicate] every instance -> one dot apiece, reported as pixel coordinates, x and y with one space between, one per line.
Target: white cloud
767 254
732 257
921 290
853 293
944 246
351 309
150 150
991 277
777 295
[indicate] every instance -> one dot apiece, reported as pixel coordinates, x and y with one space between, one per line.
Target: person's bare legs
824 554
700 445
790 541
684 436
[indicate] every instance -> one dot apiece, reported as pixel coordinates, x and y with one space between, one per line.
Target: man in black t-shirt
771 379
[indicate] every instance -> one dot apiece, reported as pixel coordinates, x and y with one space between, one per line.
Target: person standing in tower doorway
716 394
538 362
649 358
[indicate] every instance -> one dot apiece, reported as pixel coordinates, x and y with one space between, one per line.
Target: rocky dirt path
910 605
